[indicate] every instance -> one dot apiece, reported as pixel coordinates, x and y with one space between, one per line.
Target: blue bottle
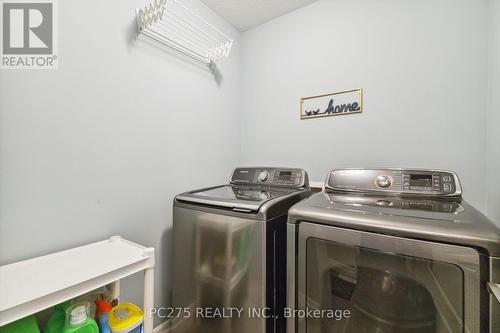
103 309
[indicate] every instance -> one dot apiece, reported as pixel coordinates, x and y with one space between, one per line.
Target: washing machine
229 256
392 251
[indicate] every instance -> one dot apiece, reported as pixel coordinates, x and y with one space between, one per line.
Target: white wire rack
171 23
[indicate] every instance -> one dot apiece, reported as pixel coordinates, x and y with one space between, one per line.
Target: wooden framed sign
336 104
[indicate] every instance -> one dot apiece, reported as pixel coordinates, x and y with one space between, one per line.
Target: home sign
336 104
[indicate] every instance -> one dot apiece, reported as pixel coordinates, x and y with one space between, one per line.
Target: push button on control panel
447 187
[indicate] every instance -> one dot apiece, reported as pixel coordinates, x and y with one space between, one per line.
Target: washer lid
419 207
239 198
449 220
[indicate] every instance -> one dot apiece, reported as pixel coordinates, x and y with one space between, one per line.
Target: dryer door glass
383 292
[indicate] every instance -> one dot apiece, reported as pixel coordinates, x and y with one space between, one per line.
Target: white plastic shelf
29 286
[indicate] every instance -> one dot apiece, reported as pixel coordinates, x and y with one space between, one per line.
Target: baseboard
163 327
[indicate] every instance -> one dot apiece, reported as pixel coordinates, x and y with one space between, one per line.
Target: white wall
101 145
493 115
422 65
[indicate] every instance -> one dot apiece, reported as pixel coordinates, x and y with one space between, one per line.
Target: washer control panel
395 181
284 177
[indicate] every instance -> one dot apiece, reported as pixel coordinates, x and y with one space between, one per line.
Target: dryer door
358 282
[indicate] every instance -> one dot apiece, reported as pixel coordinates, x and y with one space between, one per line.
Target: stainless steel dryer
230 252
399 250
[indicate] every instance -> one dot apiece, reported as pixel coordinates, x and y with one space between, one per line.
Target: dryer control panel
282 177
423 182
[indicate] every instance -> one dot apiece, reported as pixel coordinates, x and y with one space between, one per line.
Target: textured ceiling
246 14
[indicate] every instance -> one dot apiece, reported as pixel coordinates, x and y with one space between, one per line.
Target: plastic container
91 297
78 319
24 325
126 318
55 324
103 309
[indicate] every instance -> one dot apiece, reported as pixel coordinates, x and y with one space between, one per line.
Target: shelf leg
149 280
115 292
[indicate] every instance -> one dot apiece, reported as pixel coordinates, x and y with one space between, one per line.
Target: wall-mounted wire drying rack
171 23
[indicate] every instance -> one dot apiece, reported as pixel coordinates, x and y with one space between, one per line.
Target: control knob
263 176
383 181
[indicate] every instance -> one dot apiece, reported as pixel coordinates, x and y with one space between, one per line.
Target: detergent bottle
24 325
78 320
55 324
